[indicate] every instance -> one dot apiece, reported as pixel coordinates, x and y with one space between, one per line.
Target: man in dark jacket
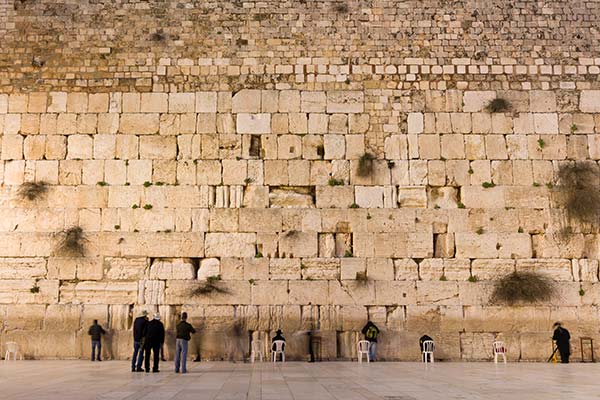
139 325
96 333
154 337
184 334
562 337
371 331
423 339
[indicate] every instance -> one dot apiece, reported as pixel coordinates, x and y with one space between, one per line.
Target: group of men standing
149 336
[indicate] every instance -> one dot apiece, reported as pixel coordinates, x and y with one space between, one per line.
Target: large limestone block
313 101
351 266
269 292
475 293
22 268
151 292
60 317
320 268
346 102
182 102
395 293
154 102
557 269
284 268
334 196
476 101
351 292
590 101
99 293
542 101
260 220
380 269
230 244
424 318
412 197
28 291
246 101
256 268
476 346
545 123
172 268
132 268
209 267
139 124
298 244
472 245
415 123
253 123
369 196
186 292
171 244
405 269
492 269
437 293
309 292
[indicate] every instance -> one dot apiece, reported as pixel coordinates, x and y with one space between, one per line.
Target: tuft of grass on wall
32 190
72 242
365 165
523 287
498 105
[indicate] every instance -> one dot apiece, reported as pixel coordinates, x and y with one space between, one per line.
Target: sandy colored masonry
195 140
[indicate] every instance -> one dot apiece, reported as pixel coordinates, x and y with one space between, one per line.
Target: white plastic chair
428 349
12 348
499 349
257 350
278 350
363 348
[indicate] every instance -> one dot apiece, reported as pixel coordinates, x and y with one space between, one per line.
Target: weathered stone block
229 244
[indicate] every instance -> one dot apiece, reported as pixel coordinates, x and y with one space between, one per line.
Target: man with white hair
154 337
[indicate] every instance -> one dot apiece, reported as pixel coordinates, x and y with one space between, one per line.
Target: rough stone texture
242 156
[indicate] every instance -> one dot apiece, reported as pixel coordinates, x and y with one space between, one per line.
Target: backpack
371 332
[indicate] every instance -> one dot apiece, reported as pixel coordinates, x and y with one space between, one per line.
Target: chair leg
282 357
495 358
504 357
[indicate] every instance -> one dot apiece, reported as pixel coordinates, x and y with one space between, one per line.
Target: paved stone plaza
66 380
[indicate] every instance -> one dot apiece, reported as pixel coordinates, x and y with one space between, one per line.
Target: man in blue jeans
371 331
96 333
184 331
139 325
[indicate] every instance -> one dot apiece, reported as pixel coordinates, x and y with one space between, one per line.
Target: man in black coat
563 338
139 326
96 333
371 331
154 337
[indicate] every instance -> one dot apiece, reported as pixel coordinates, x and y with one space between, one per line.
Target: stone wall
200 139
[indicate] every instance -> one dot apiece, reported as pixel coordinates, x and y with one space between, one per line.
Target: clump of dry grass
72 242
523 287
579 191
32 190
498 105
365 165
211 285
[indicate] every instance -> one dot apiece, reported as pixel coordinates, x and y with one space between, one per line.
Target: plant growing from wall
498 105
211 285
523 287
32 190
578 192
72 242
365 165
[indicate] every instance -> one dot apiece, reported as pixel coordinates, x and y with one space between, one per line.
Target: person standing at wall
139 325
371 331
96 333
184 332
563 342
154 337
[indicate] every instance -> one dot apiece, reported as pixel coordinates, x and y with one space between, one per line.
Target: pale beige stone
182 102
345 102
246 101
476 101
590 101
369 196
230 244
139 124
209 267
254 123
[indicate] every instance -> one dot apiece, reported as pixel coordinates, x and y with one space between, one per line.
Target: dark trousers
155 354
96 347
138 355
564 354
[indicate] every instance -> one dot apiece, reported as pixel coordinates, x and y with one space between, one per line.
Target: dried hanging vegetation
72 242
365 165
498 105
579 193
32 190
211 285
523 287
